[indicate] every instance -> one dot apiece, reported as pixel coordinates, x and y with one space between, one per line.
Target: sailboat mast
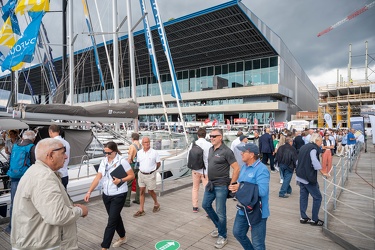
151 50
115 52
164 42
71 54
131 59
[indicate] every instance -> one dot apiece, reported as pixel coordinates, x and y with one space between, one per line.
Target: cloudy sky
297 22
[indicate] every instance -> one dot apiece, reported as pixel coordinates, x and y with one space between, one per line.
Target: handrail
334 187
84 157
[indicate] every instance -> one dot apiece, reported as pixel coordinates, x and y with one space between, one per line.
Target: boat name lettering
114 112
22 46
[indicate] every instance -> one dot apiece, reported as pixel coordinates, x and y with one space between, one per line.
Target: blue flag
167 52
8 11
23 50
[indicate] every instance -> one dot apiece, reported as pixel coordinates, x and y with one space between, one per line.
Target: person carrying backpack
132 159
22 157
198 163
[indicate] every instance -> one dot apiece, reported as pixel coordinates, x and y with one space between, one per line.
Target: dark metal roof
214 36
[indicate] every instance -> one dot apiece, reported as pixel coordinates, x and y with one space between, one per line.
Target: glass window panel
203 71
265 78
198 73
265 63
256 77
239 66
273 61
192 73
273 77
185 74
248 65
224 69
217 70
256 64
179 75
210 71
232 67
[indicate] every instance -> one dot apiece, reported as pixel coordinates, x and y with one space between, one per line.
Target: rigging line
104 41
95 49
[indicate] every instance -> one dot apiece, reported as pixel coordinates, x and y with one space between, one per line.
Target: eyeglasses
107 153
57 149
214 136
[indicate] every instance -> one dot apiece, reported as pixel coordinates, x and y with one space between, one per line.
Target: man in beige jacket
43 216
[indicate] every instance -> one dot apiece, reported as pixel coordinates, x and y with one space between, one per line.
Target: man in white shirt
237 141
54 132
201 174
149 162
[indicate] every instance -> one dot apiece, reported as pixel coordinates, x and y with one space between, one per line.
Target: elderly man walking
44 217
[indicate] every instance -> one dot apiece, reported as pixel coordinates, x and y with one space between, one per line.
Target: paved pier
176 221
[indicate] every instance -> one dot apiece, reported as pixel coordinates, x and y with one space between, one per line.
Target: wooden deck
354 218
175 221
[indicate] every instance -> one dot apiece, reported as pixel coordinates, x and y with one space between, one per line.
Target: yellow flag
7 37
18 66
31 5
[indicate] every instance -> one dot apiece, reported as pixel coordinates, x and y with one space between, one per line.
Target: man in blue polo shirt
351 141
253 171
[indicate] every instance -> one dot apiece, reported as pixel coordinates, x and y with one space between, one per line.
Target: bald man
44 217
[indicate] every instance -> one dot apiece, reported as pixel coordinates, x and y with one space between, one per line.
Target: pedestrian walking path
352 223
176 221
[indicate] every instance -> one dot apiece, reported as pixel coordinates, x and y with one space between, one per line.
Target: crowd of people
42 188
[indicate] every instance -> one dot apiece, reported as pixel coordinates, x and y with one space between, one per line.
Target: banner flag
8 12
149 42
23 50
328 119
7 37
97 61
32 5
164 42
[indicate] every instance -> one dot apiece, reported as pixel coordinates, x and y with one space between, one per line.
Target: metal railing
333 188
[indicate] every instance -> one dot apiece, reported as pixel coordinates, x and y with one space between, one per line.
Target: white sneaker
119 242
214 233
221 242
277 168
281 181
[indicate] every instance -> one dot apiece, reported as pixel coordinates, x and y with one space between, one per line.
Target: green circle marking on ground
167 245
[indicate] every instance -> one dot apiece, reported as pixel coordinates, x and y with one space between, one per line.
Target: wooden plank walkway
175 221
356 211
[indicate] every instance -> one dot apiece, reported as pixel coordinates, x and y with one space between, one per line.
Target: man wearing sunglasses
220 159
44 217
54 132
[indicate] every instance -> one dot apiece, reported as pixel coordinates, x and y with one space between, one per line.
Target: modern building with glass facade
229 64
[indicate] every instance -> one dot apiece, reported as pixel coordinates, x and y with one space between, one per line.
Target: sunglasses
107 153
214 136
57 149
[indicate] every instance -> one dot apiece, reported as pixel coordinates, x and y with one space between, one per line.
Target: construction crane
351 16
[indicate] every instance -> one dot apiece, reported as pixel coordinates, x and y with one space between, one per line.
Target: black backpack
195 158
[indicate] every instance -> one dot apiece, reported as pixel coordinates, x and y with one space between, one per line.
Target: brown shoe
139 213
156 209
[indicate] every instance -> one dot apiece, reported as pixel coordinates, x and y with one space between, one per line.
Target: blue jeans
258 233
287 174
219 218
313 190
13 189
